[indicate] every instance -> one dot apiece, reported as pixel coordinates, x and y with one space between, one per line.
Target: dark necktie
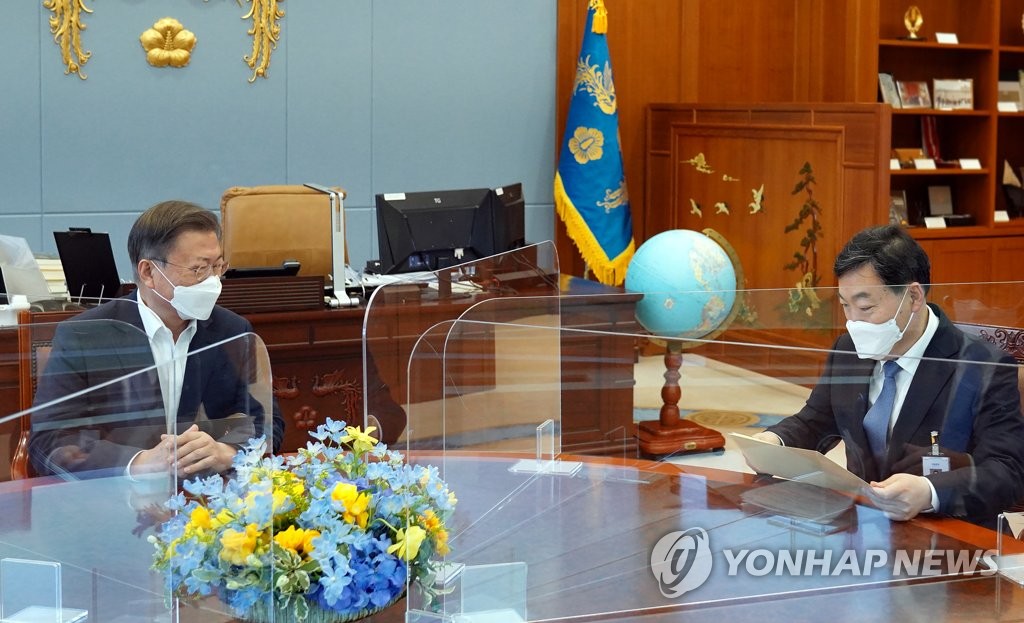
876 422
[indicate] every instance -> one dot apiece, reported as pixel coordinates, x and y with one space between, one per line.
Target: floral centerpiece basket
330 534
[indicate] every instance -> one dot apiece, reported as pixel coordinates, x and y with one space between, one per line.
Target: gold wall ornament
265 32
67 26
913 20
168 43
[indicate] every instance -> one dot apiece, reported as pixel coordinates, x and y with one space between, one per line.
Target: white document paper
807 466
21 273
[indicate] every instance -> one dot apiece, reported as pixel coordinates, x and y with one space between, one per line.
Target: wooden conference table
586 541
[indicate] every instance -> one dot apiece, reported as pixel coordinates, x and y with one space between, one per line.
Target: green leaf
301 609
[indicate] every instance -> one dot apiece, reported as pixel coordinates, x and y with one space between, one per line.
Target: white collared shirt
169 356
908 363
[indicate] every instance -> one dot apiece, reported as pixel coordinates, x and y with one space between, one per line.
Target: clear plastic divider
640 534
112 506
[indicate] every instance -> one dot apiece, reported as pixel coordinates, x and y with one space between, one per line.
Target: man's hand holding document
808 466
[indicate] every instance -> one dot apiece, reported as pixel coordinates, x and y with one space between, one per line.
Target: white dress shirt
908 363
170 357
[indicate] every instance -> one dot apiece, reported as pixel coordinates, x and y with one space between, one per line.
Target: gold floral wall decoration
66 26
265 32
167 43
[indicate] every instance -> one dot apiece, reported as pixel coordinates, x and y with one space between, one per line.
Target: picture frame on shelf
898 208
914 94
940 201
1008 95
887 88
1012 191
953 93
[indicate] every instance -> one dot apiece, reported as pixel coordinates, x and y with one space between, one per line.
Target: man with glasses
171 320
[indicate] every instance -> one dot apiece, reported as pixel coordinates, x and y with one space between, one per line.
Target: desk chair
265 225
35 339
1007 338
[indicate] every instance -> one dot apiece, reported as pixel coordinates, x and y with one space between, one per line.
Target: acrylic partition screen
520 287
697 534
113 474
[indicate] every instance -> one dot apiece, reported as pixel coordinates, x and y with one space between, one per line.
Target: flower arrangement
329 534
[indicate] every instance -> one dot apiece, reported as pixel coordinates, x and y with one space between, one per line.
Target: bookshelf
989 48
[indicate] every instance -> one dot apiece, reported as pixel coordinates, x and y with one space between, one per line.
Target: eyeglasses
202 273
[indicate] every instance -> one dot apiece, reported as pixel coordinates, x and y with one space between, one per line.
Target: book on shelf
930 138
887 88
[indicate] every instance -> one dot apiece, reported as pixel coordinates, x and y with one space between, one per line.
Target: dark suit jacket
103 351
976 408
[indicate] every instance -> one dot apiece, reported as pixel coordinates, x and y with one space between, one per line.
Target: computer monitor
88 262
431 230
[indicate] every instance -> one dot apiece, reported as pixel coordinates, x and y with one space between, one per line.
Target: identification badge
934 464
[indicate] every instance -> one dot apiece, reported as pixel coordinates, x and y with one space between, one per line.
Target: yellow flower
223 517
407 542
200 518
237 546
586 144
430 521
356 504
296 539
442 542
361 441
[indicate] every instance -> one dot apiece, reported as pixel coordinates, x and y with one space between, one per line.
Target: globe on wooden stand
689 280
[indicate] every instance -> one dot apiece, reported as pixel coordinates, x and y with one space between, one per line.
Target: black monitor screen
88 261
435 229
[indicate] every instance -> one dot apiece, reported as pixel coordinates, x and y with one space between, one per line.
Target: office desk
586 540
317 362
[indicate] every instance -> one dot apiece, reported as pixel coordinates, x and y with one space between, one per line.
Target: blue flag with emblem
590 184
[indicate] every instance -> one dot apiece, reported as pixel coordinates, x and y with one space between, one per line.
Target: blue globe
688 282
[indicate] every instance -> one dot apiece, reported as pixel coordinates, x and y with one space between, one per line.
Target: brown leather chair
266 225
35 338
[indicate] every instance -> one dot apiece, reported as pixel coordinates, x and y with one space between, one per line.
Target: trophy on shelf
913 20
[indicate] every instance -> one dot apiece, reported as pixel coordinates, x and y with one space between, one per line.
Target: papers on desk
799 464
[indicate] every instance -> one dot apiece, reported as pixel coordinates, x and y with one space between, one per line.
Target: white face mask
875 341
193 302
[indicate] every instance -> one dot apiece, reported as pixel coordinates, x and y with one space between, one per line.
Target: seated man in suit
895 378
177 258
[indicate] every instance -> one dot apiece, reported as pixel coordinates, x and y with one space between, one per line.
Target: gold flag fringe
610 271
600 23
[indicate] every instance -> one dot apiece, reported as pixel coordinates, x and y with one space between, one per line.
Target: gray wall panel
372 96
19 115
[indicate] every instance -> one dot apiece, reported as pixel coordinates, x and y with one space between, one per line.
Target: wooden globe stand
671 434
